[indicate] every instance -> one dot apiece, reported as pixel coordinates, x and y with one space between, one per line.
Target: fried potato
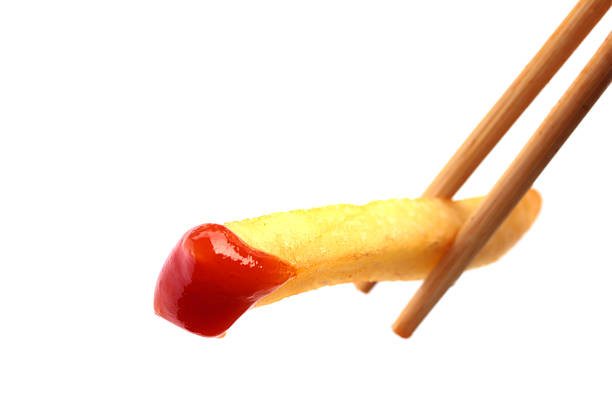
389 240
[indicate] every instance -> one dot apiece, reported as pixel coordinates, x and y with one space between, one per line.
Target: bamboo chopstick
514 183
536 74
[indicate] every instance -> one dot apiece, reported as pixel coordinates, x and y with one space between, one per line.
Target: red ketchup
212 277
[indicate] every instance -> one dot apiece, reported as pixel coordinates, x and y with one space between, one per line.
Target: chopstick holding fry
217 272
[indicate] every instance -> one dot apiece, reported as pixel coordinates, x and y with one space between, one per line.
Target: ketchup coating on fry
212 277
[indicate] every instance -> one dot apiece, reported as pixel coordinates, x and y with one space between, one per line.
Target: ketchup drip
212 277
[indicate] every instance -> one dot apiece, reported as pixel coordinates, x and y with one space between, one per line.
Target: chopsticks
514 183
557 49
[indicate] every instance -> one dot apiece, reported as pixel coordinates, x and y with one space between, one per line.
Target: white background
124 123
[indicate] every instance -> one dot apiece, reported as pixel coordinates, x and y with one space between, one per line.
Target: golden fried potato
399 239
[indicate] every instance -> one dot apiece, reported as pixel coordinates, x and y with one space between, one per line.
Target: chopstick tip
365 287
401 331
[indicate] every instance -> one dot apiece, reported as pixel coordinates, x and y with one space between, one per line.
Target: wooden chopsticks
537 153
557 49
514 183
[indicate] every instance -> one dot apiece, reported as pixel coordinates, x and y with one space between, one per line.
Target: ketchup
212 277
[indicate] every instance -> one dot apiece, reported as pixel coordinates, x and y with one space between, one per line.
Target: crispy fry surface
399 239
